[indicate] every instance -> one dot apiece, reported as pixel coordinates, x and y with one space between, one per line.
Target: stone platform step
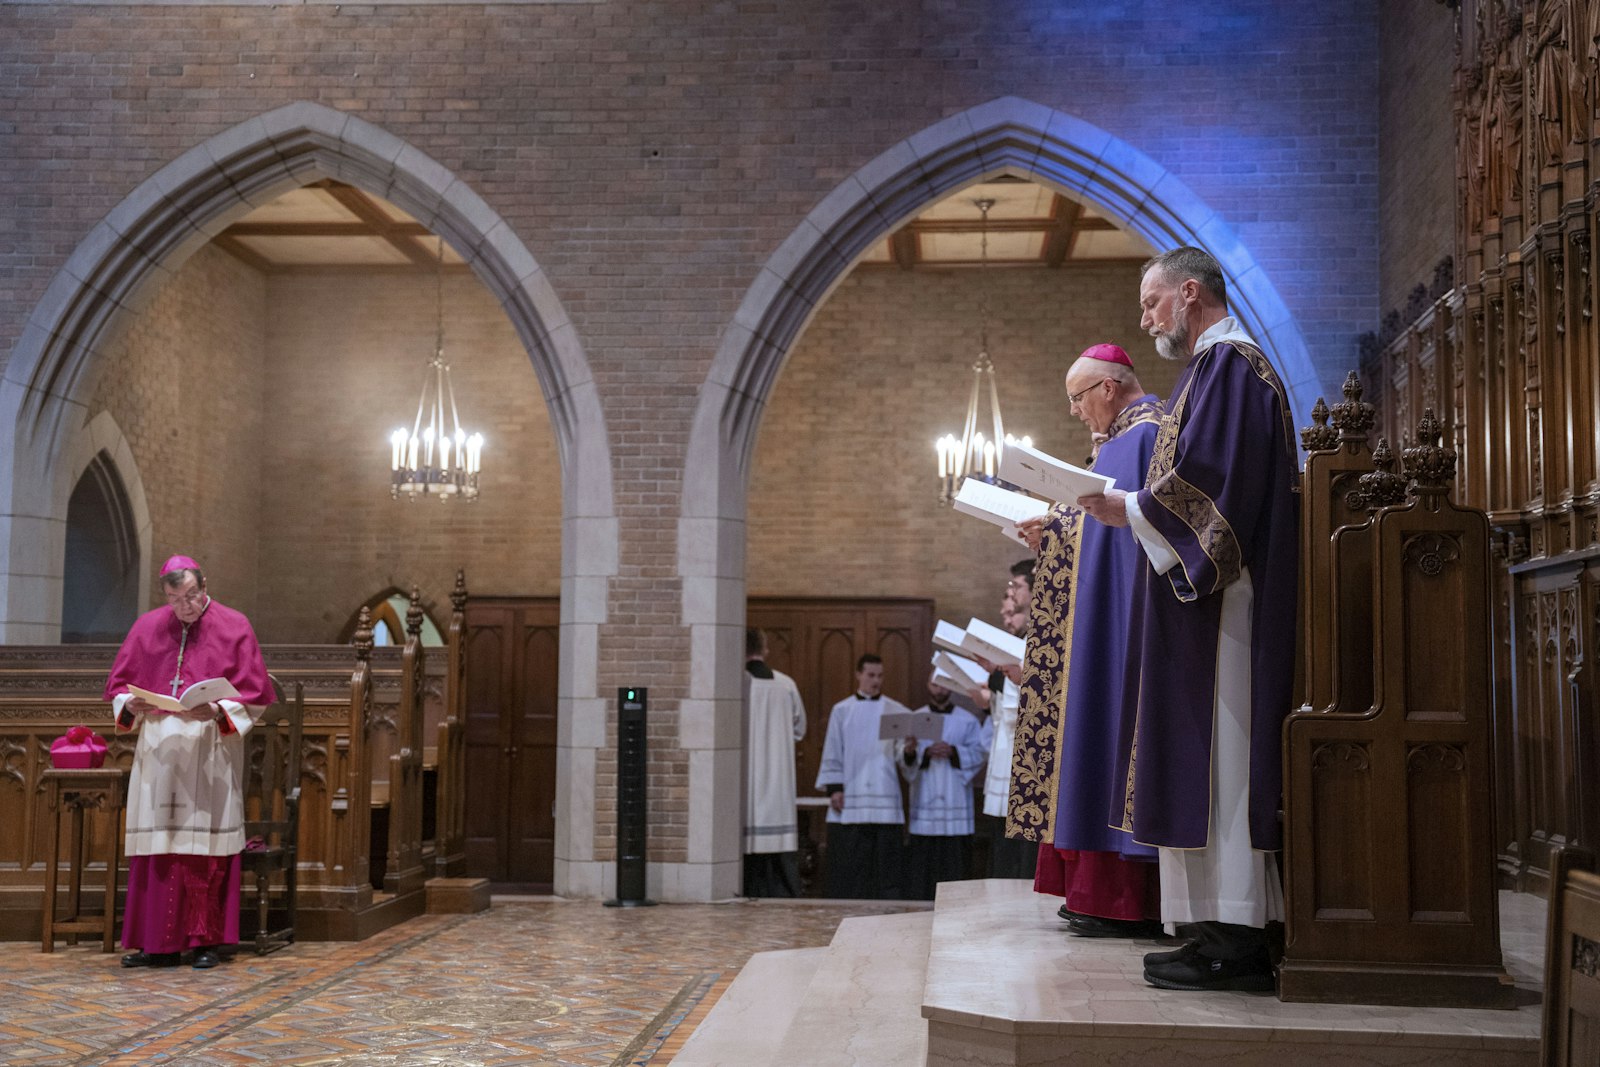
1007 985
856 1003
748 1021
862 1007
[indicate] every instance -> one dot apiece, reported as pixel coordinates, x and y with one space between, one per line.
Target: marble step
862 1007
1006 985
748 1021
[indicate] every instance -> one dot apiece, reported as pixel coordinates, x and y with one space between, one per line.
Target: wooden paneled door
815 640
512 645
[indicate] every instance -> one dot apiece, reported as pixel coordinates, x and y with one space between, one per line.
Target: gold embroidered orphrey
1161 465
1036 751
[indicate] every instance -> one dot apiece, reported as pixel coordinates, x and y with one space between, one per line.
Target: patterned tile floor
548 982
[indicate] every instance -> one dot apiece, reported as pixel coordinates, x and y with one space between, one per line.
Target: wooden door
512 645
816 640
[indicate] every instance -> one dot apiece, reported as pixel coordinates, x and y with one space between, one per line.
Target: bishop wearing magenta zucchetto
190 679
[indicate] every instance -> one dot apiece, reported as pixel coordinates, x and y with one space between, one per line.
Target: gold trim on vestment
1037 748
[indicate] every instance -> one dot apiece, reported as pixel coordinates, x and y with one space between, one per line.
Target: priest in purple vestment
1064 765
1212 633
185 822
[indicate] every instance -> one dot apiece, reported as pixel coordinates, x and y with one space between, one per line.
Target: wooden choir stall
381 777
1390 883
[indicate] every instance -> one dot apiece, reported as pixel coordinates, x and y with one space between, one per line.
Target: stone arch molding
143 241
1004 136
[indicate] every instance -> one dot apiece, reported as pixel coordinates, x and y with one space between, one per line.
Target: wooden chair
1570 1035
274 832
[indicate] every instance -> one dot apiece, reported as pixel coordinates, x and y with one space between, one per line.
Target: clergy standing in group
1009 856
1063 773
941 774
866 819
1212 634
775 719
185 817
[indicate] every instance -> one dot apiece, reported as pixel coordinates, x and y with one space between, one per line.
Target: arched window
389 621
100 582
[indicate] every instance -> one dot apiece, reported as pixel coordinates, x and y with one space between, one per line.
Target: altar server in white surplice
941 775
866 820
775 718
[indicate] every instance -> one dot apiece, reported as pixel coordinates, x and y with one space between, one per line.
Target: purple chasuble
1064 768
1224 492
221 644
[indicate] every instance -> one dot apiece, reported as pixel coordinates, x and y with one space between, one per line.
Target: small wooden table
100 789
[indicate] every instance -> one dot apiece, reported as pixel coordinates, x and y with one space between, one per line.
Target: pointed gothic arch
144 240
1007 136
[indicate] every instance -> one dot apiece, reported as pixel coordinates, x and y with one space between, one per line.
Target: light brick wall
652 155
185 384
843 493
344 363
1416 148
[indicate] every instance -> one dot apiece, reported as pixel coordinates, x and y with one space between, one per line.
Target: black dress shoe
1187 949
151 959
1199 973
1095 926
205 958
1063 913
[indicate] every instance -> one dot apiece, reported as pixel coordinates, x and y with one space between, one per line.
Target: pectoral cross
177 680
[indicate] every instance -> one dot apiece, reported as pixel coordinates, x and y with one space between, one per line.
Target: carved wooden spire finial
458 595
1319 436
1383 487
1430 466
1353 417
414 613
362 638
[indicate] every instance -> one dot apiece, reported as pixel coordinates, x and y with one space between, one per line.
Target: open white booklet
898 725
994 644
1038 472
199 693
1000 506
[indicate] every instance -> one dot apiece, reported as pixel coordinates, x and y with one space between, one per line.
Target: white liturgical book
1050 477
994 644
198 693
1000 506
898 725
958 695
948 635
960 667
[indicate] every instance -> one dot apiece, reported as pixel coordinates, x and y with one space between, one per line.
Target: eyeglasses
186 598
1073 398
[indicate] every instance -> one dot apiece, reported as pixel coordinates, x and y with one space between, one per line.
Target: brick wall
652 155
1416 148
843 493
185 384
344 369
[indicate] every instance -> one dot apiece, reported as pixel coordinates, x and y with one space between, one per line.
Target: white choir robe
853 755
941 794
186 791
777 720
997 782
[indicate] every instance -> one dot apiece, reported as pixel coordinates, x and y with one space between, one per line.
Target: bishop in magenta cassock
1211 660
185 821
1063 774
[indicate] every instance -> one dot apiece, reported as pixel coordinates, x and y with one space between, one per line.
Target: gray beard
1173 346
1176 344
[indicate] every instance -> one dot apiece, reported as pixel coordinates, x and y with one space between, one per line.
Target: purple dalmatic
1223 490
1064 768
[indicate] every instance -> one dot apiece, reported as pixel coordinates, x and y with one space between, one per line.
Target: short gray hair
1187 262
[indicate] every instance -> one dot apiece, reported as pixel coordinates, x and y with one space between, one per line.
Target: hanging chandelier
972 455
437 457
